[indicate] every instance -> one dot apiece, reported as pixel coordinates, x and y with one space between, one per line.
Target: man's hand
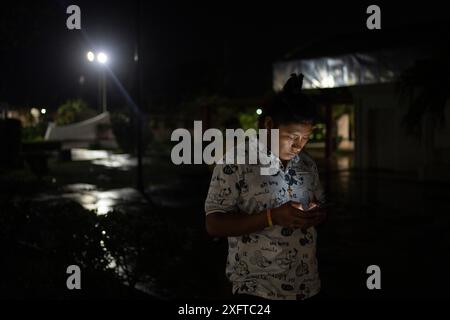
291 215
319 214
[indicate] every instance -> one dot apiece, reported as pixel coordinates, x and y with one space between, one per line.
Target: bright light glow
34 112
85 154
102 57
258 111
104 206
90 56
328 82
315 83
43 111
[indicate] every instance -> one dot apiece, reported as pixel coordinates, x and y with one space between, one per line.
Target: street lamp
102 59
90 56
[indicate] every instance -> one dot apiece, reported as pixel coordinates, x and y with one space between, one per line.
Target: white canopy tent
82 134
357 68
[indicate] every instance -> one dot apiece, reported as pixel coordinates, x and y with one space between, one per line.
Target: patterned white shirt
275 263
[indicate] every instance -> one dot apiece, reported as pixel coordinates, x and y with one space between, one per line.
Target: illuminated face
292 139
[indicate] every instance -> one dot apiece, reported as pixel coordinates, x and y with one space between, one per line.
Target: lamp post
102 59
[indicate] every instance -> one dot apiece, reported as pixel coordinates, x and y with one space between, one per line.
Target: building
365 72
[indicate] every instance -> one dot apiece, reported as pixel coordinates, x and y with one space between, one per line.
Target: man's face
293 138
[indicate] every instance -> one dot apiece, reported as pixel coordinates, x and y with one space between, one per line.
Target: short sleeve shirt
276 263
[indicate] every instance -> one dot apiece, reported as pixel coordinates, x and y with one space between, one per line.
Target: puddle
90 198
123 162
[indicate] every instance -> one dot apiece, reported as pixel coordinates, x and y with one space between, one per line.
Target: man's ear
268 123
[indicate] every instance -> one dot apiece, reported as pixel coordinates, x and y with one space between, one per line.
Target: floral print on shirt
276 263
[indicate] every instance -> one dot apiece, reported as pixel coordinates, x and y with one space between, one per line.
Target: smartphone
320 206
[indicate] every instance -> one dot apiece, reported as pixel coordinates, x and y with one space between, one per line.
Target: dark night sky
222 47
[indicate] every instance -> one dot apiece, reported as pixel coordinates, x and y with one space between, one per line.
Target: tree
73 111
426 86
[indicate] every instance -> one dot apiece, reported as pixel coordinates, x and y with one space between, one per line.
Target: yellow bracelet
269 217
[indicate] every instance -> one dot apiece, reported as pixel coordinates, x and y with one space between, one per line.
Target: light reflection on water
100 201
103 202
106 158
85 154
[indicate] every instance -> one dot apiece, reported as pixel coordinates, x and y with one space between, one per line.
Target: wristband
269 217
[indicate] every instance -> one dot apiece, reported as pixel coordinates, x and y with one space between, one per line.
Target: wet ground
154 245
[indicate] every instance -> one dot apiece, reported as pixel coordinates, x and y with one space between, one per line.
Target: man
269 219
